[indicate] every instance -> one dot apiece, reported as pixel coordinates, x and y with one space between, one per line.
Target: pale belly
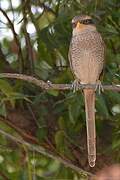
87 68
87 57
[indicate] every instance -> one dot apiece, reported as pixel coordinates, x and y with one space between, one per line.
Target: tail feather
89 95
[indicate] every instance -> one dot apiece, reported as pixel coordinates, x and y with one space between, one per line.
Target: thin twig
50 85
11 25
57 7
3 176
22 133
41 150
29 64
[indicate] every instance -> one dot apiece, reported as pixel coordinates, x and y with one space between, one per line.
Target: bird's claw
75 85
99 87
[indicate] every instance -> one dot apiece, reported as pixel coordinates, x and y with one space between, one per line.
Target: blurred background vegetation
34 40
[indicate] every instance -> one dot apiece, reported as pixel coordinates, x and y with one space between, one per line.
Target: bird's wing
103 70
70 59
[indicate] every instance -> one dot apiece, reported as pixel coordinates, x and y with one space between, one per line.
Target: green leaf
61 123
6 88
41 133
54 165
46 18
3 109
59 141
116 144
71 114
17 95
53 92
114 97
101 106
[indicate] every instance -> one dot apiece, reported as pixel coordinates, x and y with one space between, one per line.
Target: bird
86 57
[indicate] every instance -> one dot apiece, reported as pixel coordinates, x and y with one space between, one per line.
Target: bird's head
82 22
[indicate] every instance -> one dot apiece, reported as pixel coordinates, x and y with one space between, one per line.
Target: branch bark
49 85
41 150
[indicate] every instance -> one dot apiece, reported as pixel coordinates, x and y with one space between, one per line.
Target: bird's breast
87 56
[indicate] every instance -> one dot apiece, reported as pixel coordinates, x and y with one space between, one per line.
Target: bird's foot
75 85
99 87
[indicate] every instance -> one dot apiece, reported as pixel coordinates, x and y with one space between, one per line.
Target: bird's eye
87 21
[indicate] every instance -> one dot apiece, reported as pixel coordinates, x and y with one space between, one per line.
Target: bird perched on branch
86 55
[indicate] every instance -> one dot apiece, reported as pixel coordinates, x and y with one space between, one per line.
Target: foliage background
34 40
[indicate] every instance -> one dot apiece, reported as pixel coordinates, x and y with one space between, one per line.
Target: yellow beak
79 25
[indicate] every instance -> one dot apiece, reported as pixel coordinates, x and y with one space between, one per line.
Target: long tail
89 95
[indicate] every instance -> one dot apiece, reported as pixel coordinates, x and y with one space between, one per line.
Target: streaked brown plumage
86 55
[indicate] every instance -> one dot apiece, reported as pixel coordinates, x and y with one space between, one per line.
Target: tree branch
3 176
20 131
50 85
41 150
29 64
